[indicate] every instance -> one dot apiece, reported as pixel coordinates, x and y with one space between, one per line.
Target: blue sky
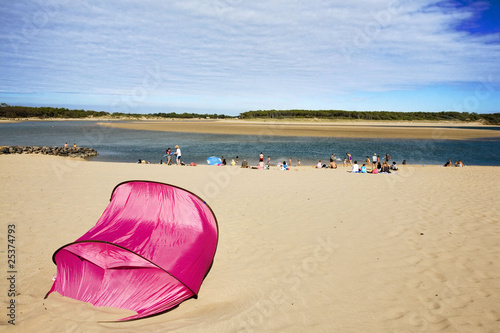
231 56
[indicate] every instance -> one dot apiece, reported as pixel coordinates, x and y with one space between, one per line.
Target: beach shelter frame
150 250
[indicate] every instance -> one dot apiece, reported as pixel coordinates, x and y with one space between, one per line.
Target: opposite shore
350 129
410 130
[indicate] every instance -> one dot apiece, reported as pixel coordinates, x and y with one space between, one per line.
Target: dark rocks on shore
81 152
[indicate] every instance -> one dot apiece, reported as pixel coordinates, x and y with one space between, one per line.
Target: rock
81 152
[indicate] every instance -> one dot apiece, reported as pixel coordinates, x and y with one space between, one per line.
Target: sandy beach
410 130
305 250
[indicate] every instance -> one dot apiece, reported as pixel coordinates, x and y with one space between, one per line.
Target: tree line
493 118
7 111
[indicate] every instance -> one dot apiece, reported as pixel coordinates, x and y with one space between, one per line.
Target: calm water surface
123 145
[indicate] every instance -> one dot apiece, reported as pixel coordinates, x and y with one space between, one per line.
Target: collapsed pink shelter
149 251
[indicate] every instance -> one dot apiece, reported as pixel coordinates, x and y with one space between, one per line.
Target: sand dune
304 250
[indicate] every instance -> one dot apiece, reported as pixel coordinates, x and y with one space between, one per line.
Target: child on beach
168 155
178 153
355 167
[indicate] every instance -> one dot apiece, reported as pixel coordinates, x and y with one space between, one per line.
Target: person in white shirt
178 153
355 167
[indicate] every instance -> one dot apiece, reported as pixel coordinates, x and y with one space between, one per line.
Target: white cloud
272 49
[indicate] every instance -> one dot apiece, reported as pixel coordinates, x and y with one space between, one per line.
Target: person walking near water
178 153
349 158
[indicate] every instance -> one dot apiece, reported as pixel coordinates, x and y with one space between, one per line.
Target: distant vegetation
493 118
9 112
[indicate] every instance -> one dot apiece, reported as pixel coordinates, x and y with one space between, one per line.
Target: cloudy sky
231 56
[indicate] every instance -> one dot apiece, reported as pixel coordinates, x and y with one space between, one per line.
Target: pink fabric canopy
149 251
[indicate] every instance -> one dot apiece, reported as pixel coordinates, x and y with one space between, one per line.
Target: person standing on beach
349 158
168 155
269 160
387 157
374 160
289 161
178 153
261 159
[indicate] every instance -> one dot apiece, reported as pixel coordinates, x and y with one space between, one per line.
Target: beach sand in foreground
305 250
450 131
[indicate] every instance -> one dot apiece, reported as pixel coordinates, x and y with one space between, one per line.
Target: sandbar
449 131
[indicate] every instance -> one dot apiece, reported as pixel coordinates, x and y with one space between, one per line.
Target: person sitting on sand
244 164
385 168
355 167
394 166
363 168
284 166
449 163
332 165
459 163
318 165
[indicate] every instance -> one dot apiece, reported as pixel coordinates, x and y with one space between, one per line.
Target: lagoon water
123 145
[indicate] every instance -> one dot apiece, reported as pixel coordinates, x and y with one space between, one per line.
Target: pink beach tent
150 251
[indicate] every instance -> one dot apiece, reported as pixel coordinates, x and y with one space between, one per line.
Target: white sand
304 250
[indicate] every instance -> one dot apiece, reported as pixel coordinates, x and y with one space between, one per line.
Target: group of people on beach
458 163
168 156
375 163
377 166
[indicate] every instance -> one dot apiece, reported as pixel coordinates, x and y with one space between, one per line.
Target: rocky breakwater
81 152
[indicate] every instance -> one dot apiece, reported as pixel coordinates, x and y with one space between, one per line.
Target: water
123 145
